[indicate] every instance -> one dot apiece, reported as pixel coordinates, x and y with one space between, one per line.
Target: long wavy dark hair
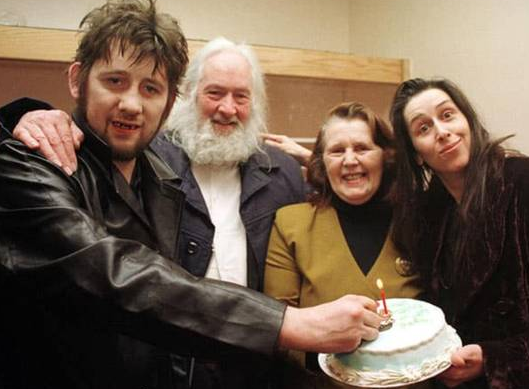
417 183
382 136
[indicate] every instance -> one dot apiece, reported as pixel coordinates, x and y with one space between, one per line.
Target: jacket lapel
255 174
163 204
192 192
179 162
127 195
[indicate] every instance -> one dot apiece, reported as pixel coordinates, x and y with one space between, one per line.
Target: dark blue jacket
269 181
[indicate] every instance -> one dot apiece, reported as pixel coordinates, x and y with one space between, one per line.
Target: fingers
370 333
45 148
457 360
78 136
372 319
23 135
273 137
274 141
338 326
451 377
63 144
363 314
471 352
364 301
467 364
53 134
56 145
32 136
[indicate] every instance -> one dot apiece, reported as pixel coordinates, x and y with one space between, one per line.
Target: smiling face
224 91
353 162
440 133
124 102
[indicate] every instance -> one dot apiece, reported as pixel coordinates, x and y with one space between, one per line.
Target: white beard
203 146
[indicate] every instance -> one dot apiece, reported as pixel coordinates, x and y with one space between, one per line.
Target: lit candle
380 285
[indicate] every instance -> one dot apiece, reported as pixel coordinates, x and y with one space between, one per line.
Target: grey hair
195 72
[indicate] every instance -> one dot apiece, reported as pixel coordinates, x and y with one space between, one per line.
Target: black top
365 227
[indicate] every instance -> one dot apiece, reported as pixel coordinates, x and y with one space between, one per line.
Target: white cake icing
417 346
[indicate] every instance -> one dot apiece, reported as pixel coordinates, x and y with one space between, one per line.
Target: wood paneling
302 85
298 106
41 44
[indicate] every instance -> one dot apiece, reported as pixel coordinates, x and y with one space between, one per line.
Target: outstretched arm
137 287
106 275
289 146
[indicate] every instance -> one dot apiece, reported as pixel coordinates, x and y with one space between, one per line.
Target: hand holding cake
467 364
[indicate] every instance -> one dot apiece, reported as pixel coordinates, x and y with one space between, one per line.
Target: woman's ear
73 79
419 160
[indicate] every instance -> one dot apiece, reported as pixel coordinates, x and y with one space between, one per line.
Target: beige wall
480 44
310 24
483 45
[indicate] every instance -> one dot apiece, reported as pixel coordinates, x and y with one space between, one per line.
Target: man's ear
73 79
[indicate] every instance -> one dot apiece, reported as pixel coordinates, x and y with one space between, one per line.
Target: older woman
463 220
338 243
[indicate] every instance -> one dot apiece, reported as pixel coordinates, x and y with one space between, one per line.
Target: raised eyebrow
415 118
447 101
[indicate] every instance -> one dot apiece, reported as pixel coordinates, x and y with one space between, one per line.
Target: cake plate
454 343
322 360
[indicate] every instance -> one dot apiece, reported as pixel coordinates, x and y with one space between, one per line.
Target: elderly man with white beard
233 183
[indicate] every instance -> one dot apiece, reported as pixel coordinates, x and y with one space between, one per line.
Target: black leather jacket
89 296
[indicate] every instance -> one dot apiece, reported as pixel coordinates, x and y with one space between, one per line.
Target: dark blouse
365 228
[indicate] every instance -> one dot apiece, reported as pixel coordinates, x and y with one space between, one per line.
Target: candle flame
380 284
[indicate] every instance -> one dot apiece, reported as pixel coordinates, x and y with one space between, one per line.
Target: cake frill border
390 378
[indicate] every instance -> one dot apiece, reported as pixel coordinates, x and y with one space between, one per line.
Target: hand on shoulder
53 134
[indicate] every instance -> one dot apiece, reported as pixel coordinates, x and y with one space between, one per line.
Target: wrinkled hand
53 134
467 364
334 327
287 145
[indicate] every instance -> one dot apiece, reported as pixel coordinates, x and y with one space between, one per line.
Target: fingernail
68 171
33 143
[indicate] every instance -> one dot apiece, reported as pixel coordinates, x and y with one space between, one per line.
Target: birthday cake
416 346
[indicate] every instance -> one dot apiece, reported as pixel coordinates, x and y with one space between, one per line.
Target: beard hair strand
203 146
